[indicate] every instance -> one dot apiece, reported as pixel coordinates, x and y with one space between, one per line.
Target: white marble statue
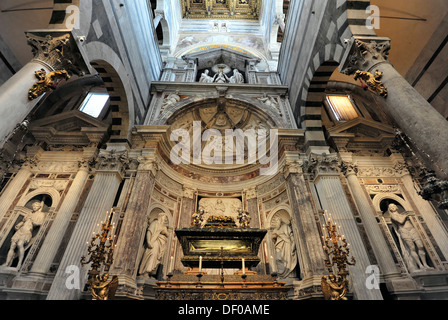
221 77
172 98
284 246
237 77
155 244
205 78
409 239
24 234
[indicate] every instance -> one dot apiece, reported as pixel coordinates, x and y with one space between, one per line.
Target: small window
342 107
94 104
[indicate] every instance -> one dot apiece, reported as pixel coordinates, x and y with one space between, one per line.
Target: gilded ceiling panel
221 9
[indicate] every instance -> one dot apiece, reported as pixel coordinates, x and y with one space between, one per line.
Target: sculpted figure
24 233
409 238
220 77
156 239
237 77
285 249
102 288
173 98
205 78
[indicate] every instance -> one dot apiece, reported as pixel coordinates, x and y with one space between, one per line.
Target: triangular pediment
362 129
73 127
71 121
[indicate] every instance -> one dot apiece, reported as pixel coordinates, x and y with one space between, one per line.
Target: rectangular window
342 107
94 103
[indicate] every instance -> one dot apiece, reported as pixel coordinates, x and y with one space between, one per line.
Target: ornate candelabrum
101 250
337 251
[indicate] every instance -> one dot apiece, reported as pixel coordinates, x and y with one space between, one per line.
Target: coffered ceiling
221 9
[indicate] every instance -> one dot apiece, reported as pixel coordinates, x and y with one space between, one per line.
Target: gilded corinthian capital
364 53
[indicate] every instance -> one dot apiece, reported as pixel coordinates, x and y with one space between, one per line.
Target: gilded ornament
46 82
373 81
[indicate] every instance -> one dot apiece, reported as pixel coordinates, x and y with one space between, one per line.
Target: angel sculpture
102 289
46 82
243 218
197 218
334 288
373 81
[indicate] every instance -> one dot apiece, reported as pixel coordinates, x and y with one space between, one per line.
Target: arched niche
24 227
282 244
154 259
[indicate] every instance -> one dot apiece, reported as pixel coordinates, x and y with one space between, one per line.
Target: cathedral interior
223 150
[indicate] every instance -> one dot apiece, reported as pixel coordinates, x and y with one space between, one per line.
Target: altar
221 244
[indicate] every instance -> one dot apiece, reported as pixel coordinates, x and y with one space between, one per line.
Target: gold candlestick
337 251
101 250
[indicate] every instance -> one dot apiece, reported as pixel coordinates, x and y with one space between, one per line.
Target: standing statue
24 234
237 77
205 78
284 245
198 218
156 240
409 238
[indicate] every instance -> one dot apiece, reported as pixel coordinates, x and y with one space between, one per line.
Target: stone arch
115 77
53 193
383 196
253 104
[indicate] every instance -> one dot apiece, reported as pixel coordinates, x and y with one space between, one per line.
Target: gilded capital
363 54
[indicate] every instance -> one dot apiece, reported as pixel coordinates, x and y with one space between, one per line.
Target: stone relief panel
220 207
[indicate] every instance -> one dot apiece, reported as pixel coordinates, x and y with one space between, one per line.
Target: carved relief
227 207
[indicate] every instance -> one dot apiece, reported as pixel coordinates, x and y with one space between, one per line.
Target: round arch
113 73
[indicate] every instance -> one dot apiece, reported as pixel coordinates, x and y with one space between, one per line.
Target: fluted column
333 199
379 244
53 51
9 195
56 233
130 240
100 200
422 123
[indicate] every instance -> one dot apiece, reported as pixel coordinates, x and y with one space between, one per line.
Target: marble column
98 202
53 50
376 238
311 257
333 199
130 240
56 233
425 127
9 195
